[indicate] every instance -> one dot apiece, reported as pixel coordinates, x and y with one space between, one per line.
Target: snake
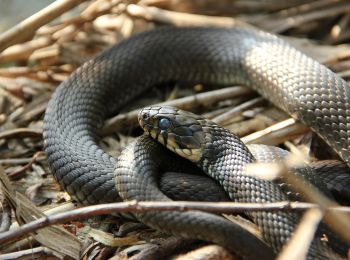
291 80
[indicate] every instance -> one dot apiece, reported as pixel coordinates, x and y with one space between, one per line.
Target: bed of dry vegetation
41 52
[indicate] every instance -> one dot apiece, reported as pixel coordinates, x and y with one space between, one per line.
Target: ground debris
34 63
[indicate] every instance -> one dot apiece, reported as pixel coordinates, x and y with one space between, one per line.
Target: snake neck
223 148
224 159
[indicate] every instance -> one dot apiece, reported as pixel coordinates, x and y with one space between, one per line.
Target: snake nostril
145 116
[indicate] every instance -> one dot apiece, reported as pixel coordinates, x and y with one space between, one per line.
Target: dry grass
37 55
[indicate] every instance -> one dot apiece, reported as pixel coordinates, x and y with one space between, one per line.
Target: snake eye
164 123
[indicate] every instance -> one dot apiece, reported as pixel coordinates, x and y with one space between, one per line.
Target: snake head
178 130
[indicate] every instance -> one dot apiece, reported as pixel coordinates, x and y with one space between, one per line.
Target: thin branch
278 25
277 133
134 206
181 19
298 246
23 51
17 161
21 133
227 116
337 221
207 252
202 99
15 174
31 253
5 213
26 29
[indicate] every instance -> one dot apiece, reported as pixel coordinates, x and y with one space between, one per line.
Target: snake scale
298 84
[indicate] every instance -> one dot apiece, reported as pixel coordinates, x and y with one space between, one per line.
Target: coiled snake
298 84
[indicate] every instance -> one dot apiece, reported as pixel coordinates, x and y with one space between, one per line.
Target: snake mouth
179 131
148 119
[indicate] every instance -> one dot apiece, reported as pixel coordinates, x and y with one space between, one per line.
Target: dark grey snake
298 84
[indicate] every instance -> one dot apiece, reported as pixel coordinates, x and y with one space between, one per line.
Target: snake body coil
291 80
223 156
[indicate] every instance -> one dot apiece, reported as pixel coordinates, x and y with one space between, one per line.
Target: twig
144 206
23 51
181 19
95 9
110 240
294 21
298 152
227 116
26 29
259 121
277 133
301 9
163 248
54 237
32 253
98 8
5 213
15 71
339 29
337 221
16 173
28 242
207 252
32 111
16 161
298 246
21 133
203 99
